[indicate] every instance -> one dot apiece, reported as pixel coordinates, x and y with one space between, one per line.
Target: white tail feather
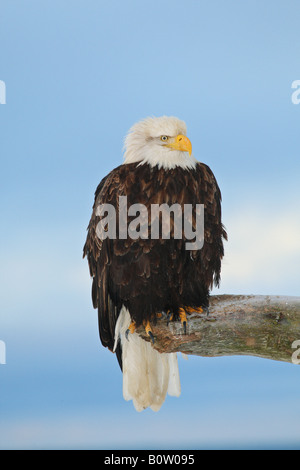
147 375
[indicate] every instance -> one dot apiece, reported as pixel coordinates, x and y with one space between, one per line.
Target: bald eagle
137 278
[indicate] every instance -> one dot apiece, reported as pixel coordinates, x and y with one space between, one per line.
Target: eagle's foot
148 330
183 318
182 315
194 309
130 329
169 317
198 310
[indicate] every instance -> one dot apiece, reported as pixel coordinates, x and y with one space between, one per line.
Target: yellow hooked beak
181 142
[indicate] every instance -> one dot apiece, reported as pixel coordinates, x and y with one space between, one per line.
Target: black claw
151 336
184 327
127 333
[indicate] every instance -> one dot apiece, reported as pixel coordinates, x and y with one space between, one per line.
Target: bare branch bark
264 326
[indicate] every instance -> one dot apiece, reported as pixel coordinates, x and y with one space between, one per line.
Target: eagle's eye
164 138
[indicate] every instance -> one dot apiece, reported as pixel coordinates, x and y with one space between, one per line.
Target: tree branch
264 326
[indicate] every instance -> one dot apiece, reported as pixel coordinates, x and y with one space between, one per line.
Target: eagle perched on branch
142 259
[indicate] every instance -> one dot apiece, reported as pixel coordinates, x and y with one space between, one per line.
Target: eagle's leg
130 329
148 330
183 318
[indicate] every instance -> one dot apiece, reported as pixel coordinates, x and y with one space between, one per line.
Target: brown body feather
149 276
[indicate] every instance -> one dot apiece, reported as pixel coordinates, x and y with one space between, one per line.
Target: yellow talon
182 315
183 318
194 309
148 330
130 329
147 327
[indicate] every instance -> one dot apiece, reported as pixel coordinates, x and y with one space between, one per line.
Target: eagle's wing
214 231
98 252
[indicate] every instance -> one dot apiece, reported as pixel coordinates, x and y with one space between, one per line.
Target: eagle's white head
159 141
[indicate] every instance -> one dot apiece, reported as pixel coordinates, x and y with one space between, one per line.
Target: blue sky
78 75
